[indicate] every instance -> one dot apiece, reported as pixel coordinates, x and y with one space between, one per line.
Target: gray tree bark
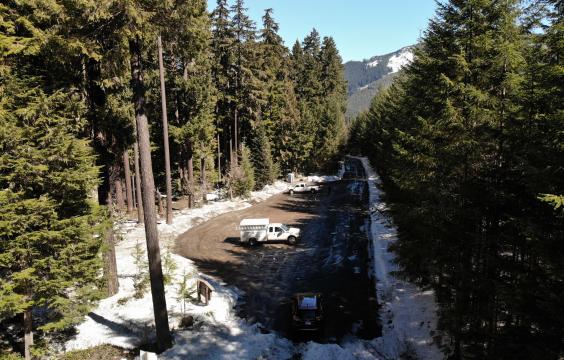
203 179
140 217
120 203
165 136
110 262
128 188
164 338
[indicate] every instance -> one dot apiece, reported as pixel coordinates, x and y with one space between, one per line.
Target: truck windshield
284 227
308 314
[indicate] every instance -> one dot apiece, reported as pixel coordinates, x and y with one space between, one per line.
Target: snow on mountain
400 60
367 76
373 63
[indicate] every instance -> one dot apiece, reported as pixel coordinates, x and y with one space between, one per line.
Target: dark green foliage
241 176
297 99
191 95
467 152
320 87
48 252
65 78
360 100
265 170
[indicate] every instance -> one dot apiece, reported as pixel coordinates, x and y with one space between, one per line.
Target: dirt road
331 258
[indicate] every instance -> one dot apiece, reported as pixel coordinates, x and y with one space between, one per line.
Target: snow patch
408 313
373 63
125 321
397 62
315 351
322 178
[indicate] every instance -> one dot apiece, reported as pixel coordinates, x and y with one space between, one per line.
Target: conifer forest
110 110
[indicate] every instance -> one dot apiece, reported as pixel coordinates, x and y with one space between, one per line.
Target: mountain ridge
366 77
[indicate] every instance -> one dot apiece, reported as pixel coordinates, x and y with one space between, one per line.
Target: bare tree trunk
110 263
190 159
128 189
190 176
231 161
164 338
218 158
203 179
165 136
28 330
134 187
235 135
139 198
160 203
120 203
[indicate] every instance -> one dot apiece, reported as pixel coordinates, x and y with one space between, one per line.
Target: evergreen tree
297 70
192 101
457 143
246 86
48 254
311 87
241 176
279 107
265 171
332 132
222 71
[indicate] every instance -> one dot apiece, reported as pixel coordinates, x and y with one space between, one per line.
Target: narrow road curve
331 258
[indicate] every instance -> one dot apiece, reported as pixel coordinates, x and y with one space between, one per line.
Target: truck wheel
313 191
292 240
252 242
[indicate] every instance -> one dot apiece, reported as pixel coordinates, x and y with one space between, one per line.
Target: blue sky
361 28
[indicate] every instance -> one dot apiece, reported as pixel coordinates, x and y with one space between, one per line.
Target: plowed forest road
330 258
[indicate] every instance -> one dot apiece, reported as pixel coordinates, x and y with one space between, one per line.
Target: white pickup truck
303 188
254 231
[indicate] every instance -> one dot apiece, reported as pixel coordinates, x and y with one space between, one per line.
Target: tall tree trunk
190 157
164 338
203 179
190 175
28 328
235 136
128 189
165 136
218 158
231 161
110 263
159 197
140 217
120 203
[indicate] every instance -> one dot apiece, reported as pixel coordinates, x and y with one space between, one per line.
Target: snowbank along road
331 258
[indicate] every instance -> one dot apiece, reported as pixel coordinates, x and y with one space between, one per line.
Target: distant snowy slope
373 63
366 77
398 61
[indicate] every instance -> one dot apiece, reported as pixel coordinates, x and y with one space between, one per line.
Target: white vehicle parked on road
303 188
254 231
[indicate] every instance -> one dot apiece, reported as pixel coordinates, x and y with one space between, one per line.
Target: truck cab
281 232
302 187
254 231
